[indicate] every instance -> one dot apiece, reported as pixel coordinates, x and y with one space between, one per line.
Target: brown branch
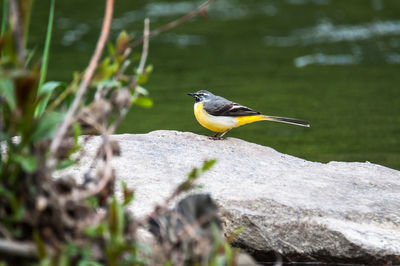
19 249
145 51
86 79
174 23
18 30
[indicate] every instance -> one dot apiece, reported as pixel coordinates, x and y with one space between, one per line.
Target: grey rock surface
338 211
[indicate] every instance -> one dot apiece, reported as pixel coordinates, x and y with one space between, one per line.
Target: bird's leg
217 136
223 133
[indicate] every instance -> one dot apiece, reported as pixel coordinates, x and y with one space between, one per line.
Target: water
333 63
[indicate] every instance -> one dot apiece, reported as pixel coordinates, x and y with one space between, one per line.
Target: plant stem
27 18
5 17
199 10
43 69
145 46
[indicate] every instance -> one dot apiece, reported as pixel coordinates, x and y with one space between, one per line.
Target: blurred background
334 63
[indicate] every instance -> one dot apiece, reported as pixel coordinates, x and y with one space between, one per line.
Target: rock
306 211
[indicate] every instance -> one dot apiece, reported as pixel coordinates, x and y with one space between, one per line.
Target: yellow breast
222 123
214 123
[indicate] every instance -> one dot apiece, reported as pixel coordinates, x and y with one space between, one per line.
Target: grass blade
5 17
46 91
43 70
26 11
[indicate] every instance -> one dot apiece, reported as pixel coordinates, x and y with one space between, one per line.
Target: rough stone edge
232 220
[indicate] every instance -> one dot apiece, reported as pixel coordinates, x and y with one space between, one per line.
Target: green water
333 63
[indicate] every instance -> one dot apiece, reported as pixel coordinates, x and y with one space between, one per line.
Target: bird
221 115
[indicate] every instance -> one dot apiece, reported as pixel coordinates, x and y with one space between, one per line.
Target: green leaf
93 202
47 89
29 57
143 102
228 253
77 131
128 194
5 17
5 192
71 250
7 90
122 42
199 186
109 83
27 162
208 164
221 261
64 260
142 78
9 48
193 174
233 235
106 69
92 231
18 214
41 248
149 69
65 164
111 48
43 69
139 90
115 219
47 126
18 210
50 86
45 262
89 263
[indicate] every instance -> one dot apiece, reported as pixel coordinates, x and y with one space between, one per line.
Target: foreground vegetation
43 128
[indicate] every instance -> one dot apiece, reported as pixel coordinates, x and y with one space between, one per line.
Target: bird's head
201 95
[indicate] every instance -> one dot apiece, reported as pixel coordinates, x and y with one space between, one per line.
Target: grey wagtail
221 115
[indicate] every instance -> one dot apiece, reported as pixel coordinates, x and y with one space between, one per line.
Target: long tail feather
286 120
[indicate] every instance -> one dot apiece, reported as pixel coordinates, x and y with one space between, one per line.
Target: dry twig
145 46
86 80
16 23
200 10
12 248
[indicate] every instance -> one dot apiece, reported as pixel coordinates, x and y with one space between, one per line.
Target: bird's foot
216 138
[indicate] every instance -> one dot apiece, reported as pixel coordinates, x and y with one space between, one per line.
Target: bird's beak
191 94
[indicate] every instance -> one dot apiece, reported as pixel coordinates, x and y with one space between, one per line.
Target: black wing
224 107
